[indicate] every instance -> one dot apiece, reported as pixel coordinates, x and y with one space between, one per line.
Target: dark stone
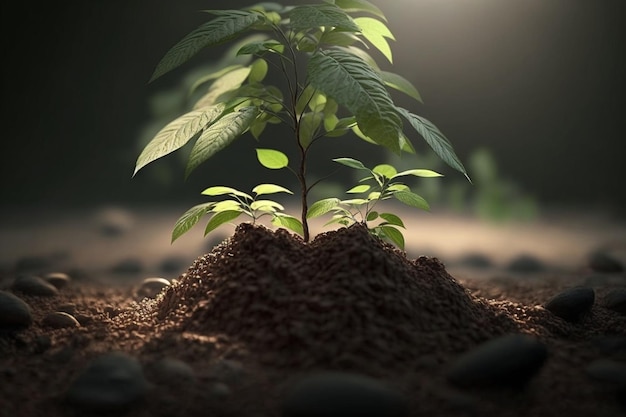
526 264
34 285
572 303
111 382
150 287
601 261
338 394
14 312
510 360
58 279
59 320
616 300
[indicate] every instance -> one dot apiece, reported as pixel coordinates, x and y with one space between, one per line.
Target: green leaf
351 82
272 159
371 216
321 15
225 83
189 219
342 127
227 26
435 139
401 84
424 173
322 207
227 205
360 6
339 38
355 201
220 218
258 71
309 124
266 205
177 133
350 162
411 199
290 222
212 76
270 189
385 170
258 48
219 135
398 187
359 189
221 190
377 33
392 219
393 234
257 128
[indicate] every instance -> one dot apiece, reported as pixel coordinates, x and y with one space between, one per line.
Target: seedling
331 86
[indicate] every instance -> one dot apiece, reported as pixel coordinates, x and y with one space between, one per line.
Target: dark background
540 82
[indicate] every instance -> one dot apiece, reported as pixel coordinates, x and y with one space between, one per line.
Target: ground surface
248 315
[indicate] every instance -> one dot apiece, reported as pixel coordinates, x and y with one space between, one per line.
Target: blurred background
530 93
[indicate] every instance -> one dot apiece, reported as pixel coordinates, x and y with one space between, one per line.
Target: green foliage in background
332 86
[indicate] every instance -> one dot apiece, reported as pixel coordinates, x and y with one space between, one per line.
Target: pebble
14 312
128 266
150 287
526 264
69 308
616 300
34 285
601 261
59 320
571 303
335 394
510 360
58 279
111 382
171 371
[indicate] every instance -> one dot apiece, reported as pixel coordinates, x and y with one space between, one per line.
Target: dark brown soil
263 307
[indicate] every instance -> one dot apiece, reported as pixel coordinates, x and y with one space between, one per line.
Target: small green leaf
424 173
189 219
272 159
350 162
266 205
227 26
392 219
355 201
375 195
227 205
393 234
359 189
257 128
290 222
377 33
220 218
177 133
322 207
385 170
437 141
371 216
258 48
398 187
270 189
401 84
309 125
258 71
219 135
411 199
221 190
321 15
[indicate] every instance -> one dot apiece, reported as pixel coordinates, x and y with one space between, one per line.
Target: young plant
383 185
331 85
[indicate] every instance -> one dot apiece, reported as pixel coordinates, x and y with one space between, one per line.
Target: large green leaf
393 234
321 15
411 199
353 83
220 218
227 82
322 207
437 141
360 6
189 219
177 133
290 222
219 135
401 84
377 33
228 25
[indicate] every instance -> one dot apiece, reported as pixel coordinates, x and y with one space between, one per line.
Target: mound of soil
264 307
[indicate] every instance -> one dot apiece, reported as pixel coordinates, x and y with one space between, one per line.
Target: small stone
59 320
330 394
128 266
150 287
572 303
111 382
510 360
601 261
526 264
34 285
14 312
171 371
616 300
58 279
